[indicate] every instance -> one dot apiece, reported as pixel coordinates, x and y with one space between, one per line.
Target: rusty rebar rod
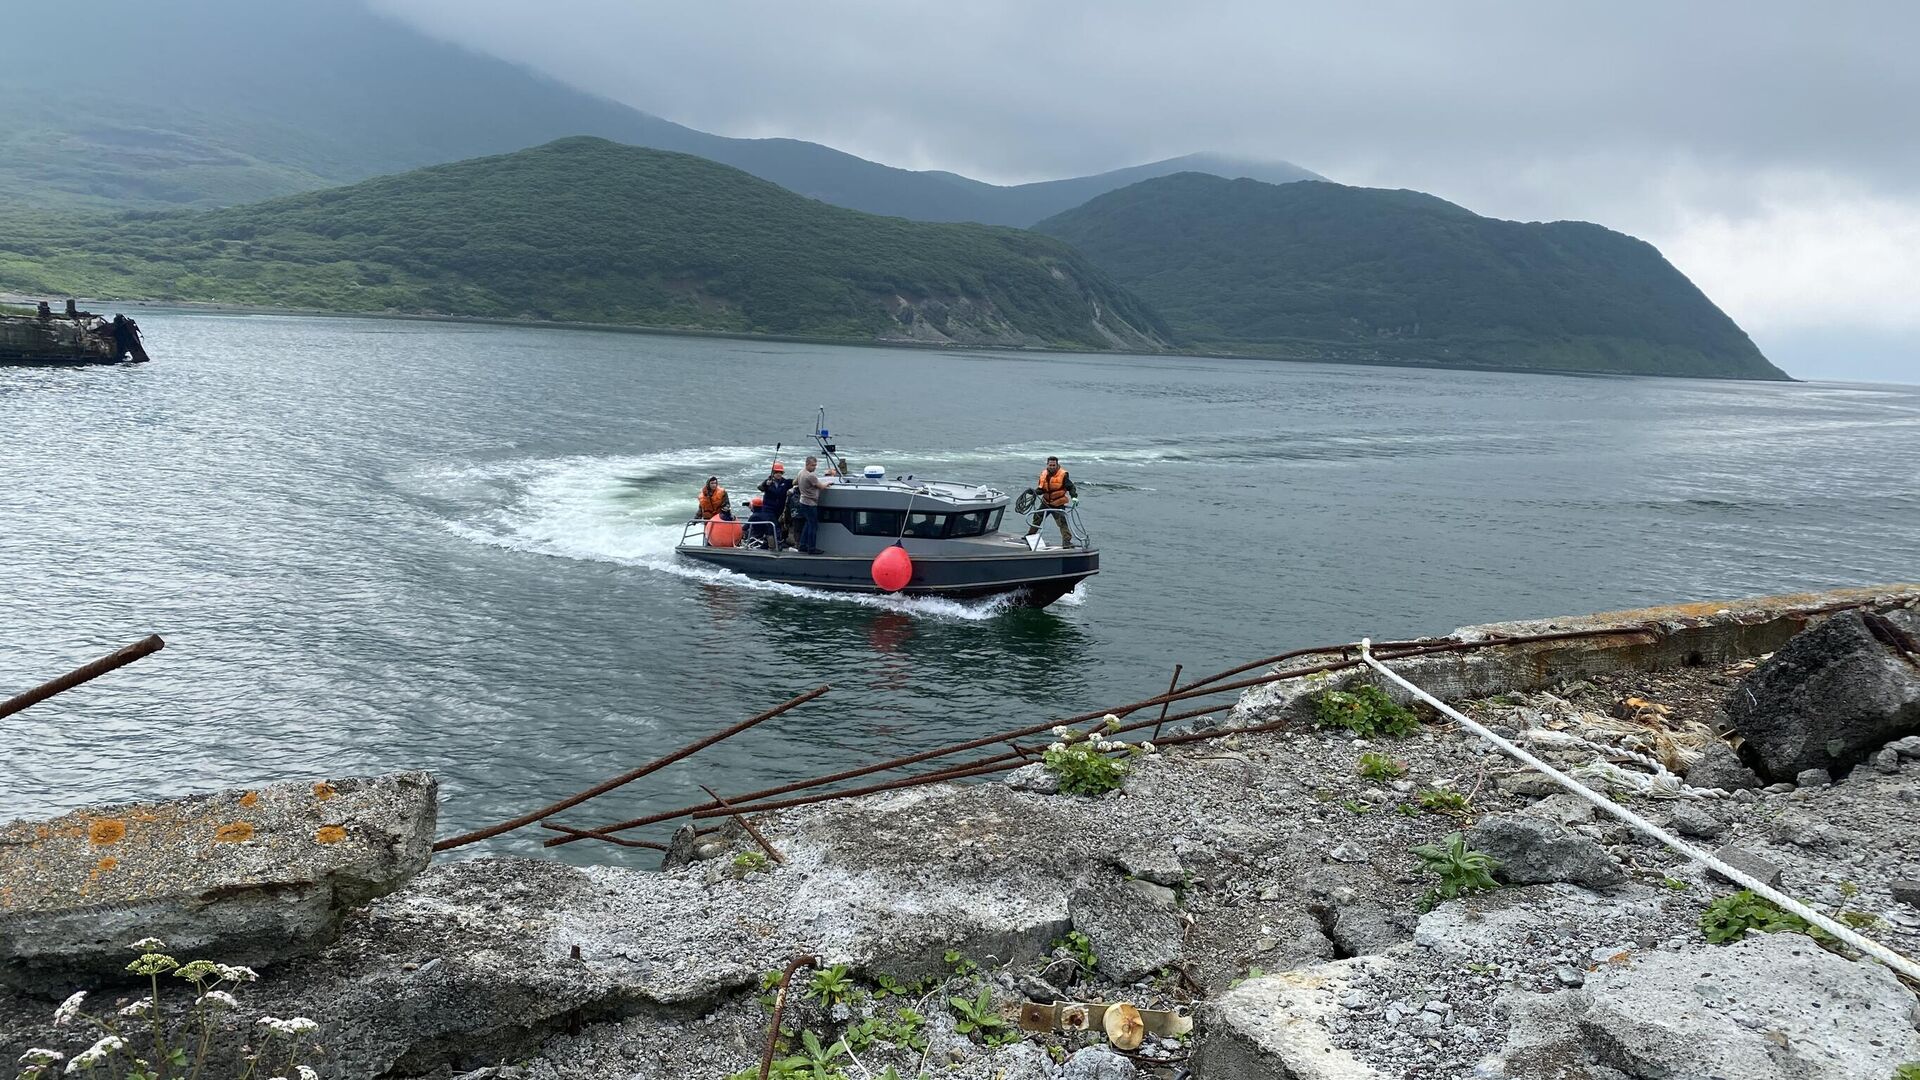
780 1006
758 837
119 658
1172 685
627 778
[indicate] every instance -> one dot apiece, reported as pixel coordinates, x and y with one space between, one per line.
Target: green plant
1377 766
1909 1071
1356 806
1084 767
887 984
1080 947
1442 801
1674 883
1252 973
1407 809
1365 710
176 1041
1461 869
831 986
1730 917
1862 920
748 862
978 1015
960 964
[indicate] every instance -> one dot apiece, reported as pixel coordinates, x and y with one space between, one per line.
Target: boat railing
1046 519
753 534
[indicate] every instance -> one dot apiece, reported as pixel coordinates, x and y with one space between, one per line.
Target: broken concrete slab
1134 932
1747 863
1276 1027
248 876
1534 851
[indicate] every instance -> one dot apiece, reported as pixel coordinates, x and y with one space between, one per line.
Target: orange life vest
712 501
1053 490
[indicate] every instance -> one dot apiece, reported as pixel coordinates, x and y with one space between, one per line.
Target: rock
1689 820
1364 927
1885 760
1348 852
252 877
1131 931
1098 1063
1719 767
1277 1027
1569 976
1526 782
1813 778
1906 891
1908 747
1036 778
1157 865
682 847
1748 863
1788 1008
1831 696
1532 851
1566 809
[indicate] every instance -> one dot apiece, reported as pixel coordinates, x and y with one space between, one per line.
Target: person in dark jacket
762 529
774 489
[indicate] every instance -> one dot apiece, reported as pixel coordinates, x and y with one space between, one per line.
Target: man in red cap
774 490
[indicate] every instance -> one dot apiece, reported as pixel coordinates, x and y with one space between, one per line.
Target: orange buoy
723 533
892 569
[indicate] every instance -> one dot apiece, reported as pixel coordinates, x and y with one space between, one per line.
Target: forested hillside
1322 270
587 230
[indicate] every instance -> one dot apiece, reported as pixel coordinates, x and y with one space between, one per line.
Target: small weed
961 965
1909 1071
748 862
1442 801
831 986
1380 767
1862 920
1084 767
1407 809
1080 947
1461 869
1480 968
978 1016
1730 917
1848 890
1355 806
885 985
1365 710
1252 973
1674 883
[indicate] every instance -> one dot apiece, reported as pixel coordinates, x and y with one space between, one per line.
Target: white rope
1840 931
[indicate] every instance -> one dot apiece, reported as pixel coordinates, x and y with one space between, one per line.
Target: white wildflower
1149 748
1062 730
140 1007
1108 745
148 944
1057 748
220 998
306 1072
40 1056
1110 720
68 1009
235 973
95 1054
298 1025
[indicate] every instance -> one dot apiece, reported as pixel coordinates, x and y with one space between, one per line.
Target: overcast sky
1770 149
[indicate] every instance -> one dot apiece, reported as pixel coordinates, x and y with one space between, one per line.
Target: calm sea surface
377 544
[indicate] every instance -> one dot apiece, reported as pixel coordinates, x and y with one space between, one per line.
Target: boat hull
1038 577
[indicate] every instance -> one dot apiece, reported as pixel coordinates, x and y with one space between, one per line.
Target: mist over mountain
218 102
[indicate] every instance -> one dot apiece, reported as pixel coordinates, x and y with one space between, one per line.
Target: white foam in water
631 511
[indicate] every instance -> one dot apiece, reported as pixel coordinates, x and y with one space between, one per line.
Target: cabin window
971 523
993 523
926 526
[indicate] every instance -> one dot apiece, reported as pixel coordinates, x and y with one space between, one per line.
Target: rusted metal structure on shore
69 337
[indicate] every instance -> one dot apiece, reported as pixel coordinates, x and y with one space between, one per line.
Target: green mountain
1321 271
587 230
118 103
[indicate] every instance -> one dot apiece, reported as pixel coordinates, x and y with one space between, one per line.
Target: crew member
761 530
713 501
808 488
774 489
1057 493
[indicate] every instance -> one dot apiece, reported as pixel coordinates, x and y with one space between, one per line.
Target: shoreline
212 308
1265 880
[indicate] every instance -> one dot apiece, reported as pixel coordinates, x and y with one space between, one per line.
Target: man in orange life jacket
1057 493
713 501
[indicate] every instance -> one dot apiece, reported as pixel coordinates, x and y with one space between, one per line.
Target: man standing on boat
808 489
774 489
1057 493
713 501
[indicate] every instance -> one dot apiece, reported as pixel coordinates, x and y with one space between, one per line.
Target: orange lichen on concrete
249 798
233 832
107 863
329 834
323 791
107 831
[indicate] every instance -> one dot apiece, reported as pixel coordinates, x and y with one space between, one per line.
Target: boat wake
629 511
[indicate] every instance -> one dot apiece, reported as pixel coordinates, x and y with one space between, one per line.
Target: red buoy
892 569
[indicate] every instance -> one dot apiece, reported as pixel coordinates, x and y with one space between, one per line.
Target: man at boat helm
1056 492
808 489
713 501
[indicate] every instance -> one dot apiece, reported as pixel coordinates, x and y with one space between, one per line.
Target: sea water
380 544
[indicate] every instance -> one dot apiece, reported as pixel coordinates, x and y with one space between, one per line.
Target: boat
72 337
950 532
